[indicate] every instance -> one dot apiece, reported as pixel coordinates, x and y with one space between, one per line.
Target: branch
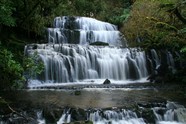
13 111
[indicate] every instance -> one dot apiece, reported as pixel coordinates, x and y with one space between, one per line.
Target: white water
75 63
121 117
68 57
83 23
38 83
83 30
173 114
65 118
40 118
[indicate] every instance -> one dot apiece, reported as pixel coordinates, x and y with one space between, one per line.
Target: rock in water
107 81
77 92
99 43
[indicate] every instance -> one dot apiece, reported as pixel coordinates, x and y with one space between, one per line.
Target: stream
102 104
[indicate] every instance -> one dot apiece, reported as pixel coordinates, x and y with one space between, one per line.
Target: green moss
77 92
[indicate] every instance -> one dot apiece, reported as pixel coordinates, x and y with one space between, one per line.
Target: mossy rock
78 114
99 43
77 92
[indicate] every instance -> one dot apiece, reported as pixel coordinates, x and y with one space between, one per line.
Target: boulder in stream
107 81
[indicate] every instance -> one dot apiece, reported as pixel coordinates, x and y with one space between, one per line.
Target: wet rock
144 111
148 116
159 79
81 122
152 105
52 115
78 114
107 81
99 43
34 46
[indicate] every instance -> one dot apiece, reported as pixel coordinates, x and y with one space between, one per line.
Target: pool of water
104 98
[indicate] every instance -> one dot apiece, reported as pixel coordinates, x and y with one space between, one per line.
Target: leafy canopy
6 11
10 70
156 24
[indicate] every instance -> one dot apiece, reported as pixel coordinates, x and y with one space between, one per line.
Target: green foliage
32 66
166 2
155 24
88 7
6 11
2 101
120 17
10 70
166 26
183 50
32 16
182 31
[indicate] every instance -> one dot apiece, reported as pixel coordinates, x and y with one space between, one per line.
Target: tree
10 70
152 26
6 11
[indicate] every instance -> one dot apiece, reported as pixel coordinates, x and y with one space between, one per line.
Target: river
53 103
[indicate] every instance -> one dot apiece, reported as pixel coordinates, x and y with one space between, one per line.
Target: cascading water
68 57
115 117
172 114
83 30
169 113
71 63
108 116
65 118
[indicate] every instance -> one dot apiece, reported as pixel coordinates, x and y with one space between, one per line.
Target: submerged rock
77 92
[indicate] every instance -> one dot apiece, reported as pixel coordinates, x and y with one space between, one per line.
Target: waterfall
169 113
152 113
72 63
65 118
173 113
155 58
68 57
83 30
106 116
40 118
115 117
